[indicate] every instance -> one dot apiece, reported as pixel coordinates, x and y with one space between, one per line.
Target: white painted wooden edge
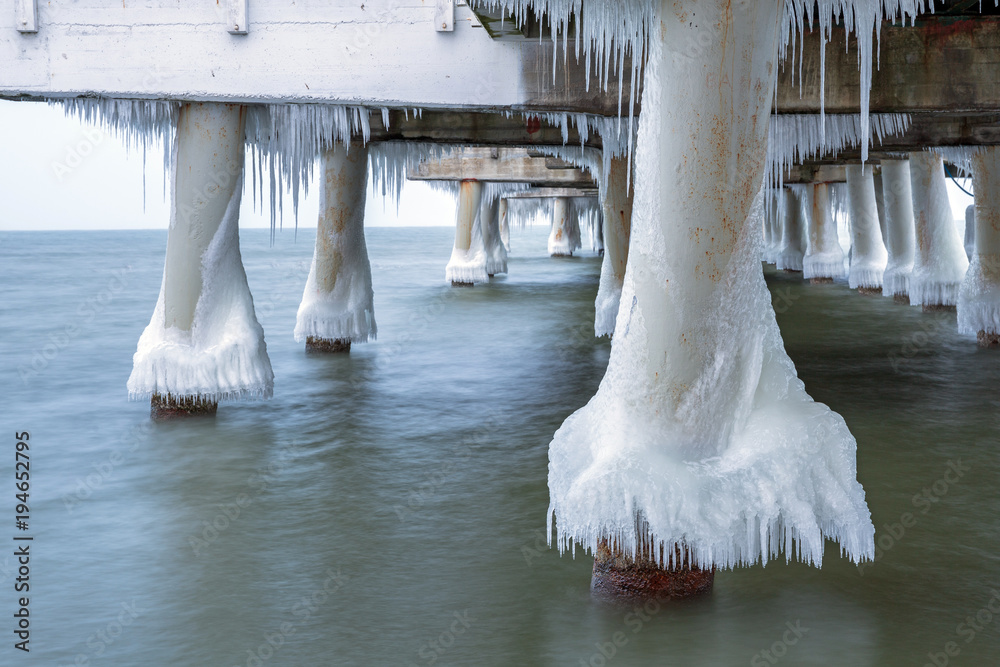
444 16
26 15
238 23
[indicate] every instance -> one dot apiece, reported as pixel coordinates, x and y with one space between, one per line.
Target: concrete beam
502 165
816 173
454 127
943 64
380 53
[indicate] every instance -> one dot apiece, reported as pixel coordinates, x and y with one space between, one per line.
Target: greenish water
388 508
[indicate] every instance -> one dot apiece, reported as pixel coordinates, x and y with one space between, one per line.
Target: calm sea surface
388 507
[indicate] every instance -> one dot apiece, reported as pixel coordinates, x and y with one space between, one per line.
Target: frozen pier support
869 256
617 213
790 242
468 257
560 231
900 235
203 343
824 259
337 306
979 298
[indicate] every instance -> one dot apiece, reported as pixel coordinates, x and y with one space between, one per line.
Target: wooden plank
238 23
444 16
26 16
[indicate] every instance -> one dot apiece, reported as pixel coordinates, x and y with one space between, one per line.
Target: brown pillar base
620 579
324 346
790 271
870 291
458 284
561 254
166 408
902 299
938 308
820 281
490 275
988 339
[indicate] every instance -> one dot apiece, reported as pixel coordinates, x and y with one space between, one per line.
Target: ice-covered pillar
468 258
504 224
617 212
880 203
970 230
496 254
701 448
979 298
203 343
824 259
869 256
560 244
899 231
773 221
790 243
337 306
939 263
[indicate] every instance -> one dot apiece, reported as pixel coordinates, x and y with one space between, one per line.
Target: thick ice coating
338 301
204 340
700 427
979 298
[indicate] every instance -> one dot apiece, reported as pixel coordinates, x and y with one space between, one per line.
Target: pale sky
54 175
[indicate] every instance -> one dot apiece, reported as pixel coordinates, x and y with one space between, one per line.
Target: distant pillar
790 245
338 302
203 343
496 254
900 237
468 258
617 209
770 211
504 224
560 244
979 298
869 256
939 263
824 260
880 204
970 230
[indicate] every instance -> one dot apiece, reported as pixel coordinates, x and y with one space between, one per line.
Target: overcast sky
54 174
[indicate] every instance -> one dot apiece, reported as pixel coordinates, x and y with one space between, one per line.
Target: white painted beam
444 16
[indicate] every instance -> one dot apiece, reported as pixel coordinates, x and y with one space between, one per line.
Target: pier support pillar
203 343
700 409
504 224
560 244
869 256
824 259
970 230
468 258
337 306
939 263
790 242
900 236
979 298
617 210
496 253
621 579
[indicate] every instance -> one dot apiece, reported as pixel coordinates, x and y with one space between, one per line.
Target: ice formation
468 257
496 254
939 263
868 255
338 301
616 206
970 230
204 340
701 433
773 212
526 211
979 298
791 243
900 239
503 206
564 233
824 256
